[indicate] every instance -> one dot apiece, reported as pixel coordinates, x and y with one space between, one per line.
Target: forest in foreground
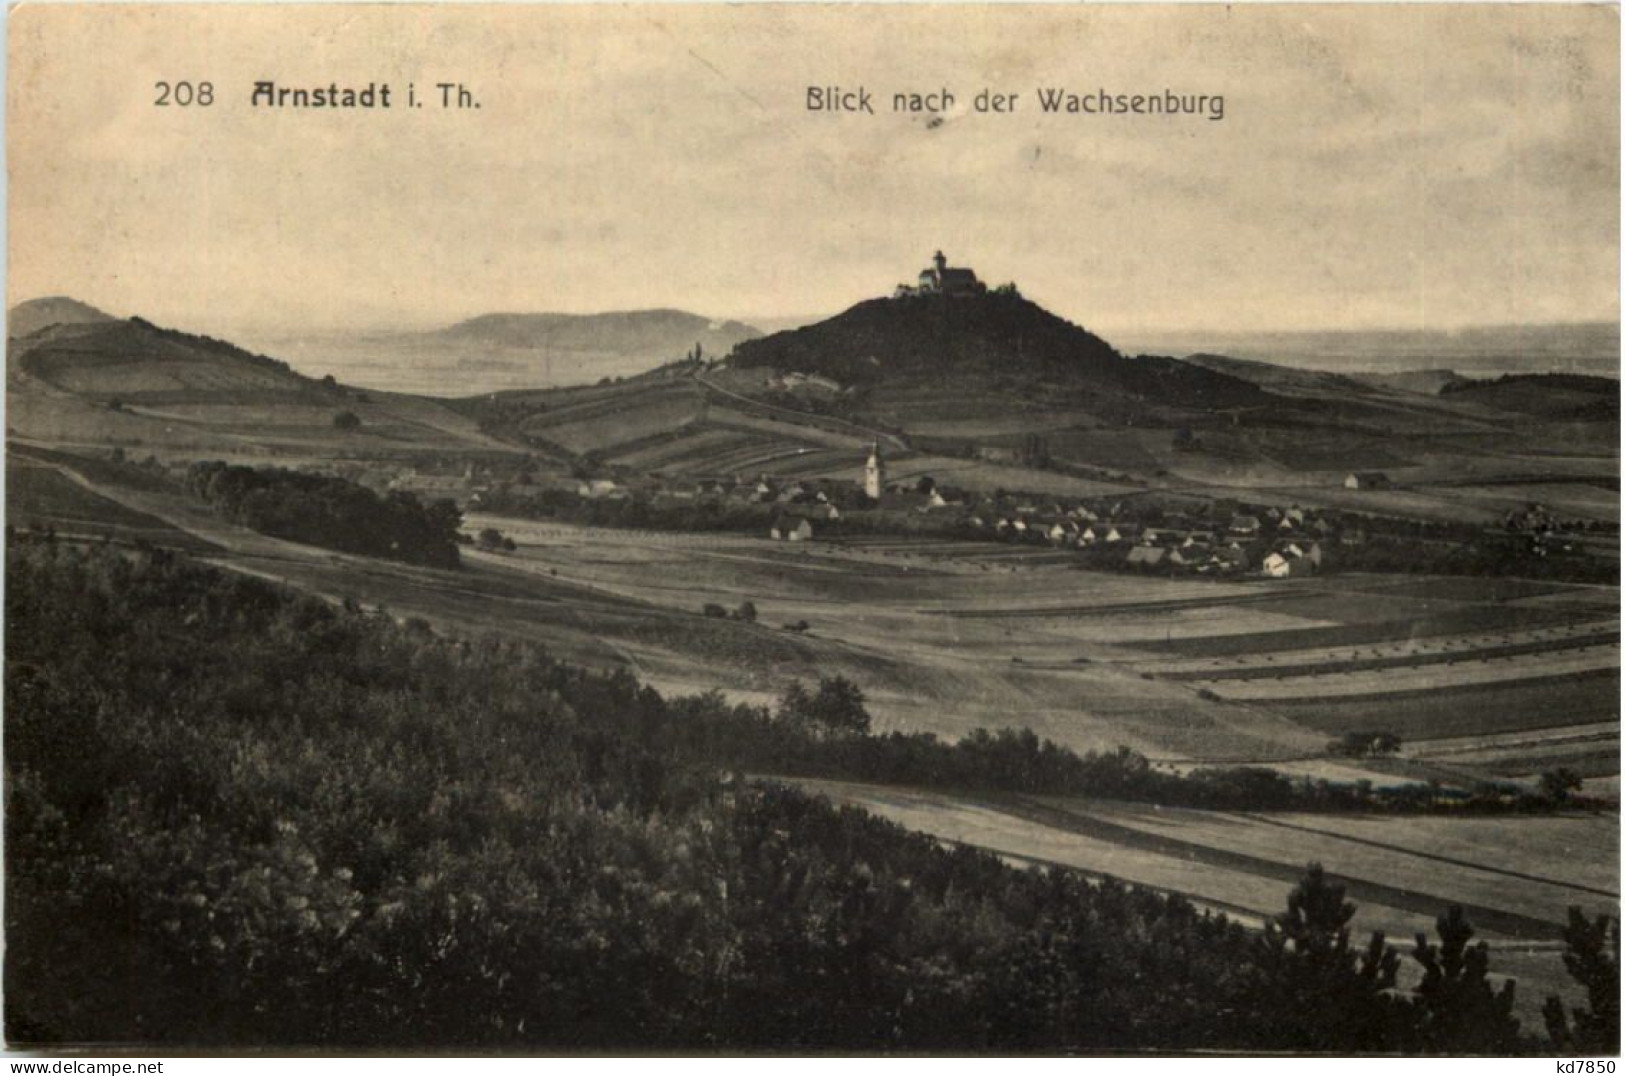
240 816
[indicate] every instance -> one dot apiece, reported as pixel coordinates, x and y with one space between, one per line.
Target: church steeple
874 473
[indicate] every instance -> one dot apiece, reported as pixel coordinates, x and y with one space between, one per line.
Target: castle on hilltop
939 278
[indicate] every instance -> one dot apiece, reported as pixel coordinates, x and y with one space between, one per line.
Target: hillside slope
1287 380
986 341
1555 396
133 383
27 318
136 360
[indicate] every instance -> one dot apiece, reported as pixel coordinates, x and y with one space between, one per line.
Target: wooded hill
975 340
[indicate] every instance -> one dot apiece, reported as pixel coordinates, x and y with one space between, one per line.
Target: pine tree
1458 1011
1318 992
1593 1030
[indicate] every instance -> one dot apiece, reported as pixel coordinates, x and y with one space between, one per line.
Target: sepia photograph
799 529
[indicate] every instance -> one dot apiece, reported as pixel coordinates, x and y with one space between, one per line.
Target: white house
791 529
597 487
1147 556
1367 480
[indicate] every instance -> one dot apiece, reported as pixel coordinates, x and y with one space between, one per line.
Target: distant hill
784 323
1488 350
134 359
1423 382
1574 397
504 352
1287 380
989 341
131 383
655 335
30 317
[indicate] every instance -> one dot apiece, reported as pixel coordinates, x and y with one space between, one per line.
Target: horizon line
449 321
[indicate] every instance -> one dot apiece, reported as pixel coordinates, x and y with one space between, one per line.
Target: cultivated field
952 634
1569 500
595 425
40 497
946 635
1514 878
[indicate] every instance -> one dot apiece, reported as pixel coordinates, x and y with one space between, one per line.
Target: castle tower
874 473
941 262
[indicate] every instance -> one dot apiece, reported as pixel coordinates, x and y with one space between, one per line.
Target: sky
1406 166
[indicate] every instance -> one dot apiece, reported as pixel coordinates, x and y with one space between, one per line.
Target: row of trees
825 732
236 815
331 512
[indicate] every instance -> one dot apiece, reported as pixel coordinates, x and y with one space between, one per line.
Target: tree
839 707
1384 743
346 420
490 538
1457 1009
1593 1030
746 612
794 704
1556 784
1317 992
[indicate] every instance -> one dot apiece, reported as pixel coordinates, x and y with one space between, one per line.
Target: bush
346 420
1556 784
1365 745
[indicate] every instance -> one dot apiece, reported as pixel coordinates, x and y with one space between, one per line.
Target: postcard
807 529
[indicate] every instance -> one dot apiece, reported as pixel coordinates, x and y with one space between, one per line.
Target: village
1147 532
